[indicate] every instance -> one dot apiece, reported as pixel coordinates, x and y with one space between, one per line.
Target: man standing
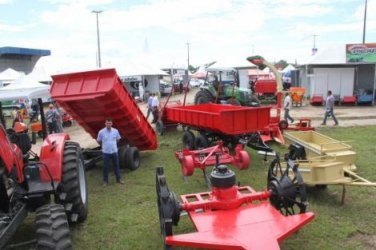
108 138
150 108
329 106
59 119
51 118
287 106
154 106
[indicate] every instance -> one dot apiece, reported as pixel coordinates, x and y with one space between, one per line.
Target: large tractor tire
188 140
201 142
72 191
203 96
52 229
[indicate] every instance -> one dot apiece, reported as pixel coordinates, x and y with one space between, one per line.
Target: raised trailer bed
92 96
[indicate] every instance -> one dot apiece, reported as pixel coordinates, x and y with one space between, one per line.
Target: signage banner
361 53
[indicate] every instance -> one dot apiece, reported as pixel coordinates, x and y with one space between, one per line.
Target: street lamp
364 21
188 62
97 12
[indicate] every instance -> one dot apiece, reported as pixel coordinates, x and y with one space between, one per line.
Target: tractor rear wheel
203 96
52 229
72 191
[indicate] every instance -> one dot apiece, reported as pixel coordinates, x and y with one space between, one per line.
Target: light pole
188 61
364 22
97 12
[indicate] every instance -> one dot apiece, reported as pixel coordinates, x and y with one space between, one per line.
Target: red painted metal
236 218
92 96
317 100
266 86
225 119
349 100
202 158
51 157
11 155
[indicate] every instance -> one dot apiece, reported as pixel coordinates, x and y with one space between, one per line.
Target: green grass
125 217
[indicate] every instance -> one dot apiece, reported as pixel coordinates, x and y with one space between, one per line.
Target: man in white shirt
287 104
108 138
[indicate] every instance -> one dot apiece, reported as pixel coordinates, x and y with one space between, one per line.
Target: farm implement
232 216
203 158
323 160
91 97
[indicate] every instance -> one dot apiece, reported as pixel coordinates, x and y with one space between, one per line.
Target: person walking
150 101
108 138
51 118
329 109
154 107
287 104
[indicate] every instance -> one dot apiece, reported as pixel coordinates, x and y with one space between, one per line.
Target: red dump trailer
92 96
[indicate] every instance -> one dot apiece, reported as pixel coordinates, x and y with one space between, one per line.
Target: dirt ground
347 116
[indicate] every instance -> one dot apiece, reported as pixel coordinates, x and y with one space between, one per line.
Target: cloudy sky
215 29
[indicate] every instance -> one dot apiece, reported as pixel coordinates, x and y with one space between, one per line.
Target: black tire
122 152
67 124
283 124
132 160
160 127
203 96
201 141
52 229
72 191
188 140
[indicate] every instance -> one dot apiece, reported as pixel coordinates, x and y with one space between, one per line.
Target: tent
24 87
9 75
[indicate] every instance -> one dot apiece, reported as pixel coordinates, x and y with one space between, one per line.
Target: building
346 70
20 59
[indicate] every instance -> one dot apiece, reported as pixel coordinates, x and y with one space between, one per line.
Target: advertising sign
361 53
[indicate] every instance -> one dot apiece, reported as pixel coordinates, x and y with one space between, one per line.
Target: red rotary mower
234 217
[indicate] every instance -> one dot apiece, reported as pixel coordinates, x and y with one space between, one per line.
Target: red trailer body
92 96
264 86
225 119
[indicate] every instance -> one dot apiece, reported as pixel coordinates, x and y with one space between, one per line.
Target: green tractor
220 87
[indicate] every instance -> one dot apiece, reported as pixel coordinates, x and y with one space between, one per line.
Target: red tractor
53 185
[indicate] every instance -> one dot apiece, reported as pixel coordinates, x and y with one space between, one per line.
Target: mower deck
254 225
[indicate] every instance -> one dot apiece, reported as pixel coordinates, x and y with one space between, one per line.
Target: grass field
125 217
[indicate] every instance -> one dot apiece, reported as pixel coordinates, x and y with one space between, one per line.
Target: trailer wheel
187 165
132 159
203 96
283 124
160 127
52 229
201 141
188 140
67 124
243 160
72 191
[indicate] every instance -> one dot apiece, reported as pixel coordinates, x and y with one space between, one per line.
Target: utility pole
97 12
364 22
314 49
188 62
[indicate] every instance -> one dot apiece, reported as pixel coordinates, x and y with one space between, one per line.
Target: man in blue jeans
108 138
329 108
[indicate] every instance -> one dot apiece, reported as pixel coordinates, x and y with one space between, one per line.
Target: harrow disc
287 187
168 206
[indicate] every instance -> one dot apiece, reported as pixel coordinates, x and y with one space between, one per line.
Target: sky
134 30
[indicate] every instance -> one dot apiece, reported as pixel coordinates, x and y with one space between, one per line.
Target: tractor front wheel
52 229
72 192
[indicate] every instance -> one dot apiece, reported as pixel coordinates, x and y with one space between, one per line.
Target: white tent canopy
24 87
10 75
288 68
